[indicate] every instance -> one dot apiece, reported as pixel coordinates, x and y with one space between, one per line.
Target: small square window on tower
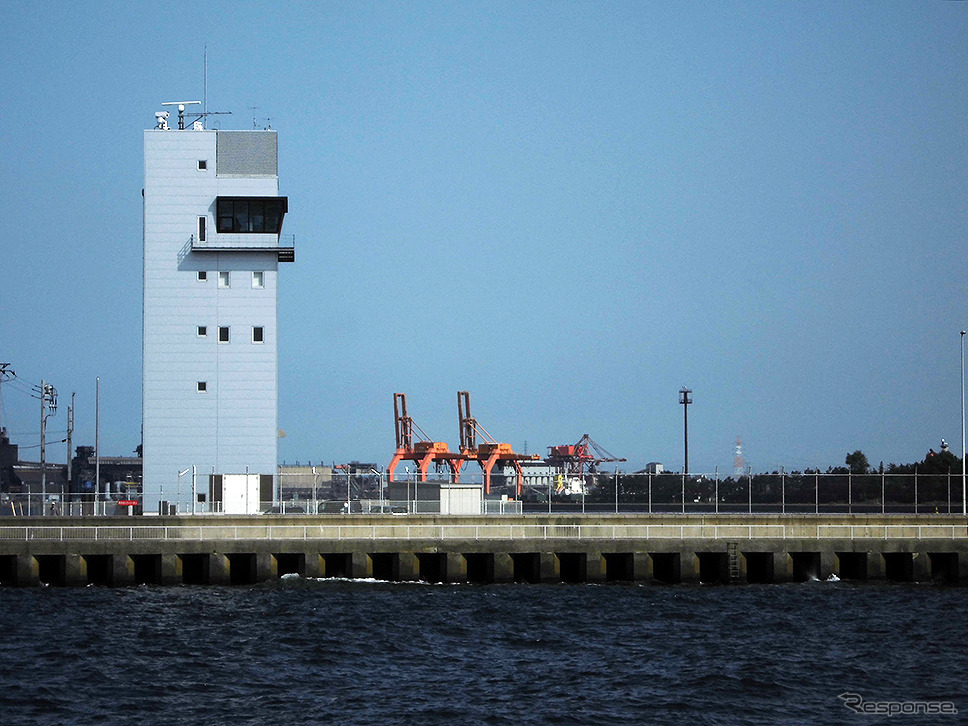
201 387
201 331
258 280
223 278
202 164
258 334
223 335
201 276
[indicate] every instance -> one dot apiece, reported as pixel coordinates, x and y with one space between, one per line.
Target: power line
32 433
37 446
23 386
16 382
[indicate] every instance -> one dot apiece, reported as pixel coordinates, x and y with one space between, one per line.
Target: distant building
119 475
28 477
537 476
413 491
9 455
654 467
364 480
305 482
212 248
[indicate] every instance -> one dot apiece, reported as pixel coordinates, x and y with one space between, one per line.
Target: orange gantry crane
423 453
571 459
488 452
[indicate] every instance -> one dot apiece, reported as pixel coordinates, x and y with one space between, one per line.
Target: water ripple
306 652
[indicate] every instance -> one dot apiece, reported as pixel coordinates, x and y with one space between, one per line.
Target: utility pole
43 447
685 398
5 374
48 405
70 437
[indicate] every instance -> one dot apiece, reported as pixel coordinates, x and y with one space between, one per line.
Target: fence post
717 490
883 503
915 490
782 491
850 498
750 489
650 494
816 491
616 491
683 492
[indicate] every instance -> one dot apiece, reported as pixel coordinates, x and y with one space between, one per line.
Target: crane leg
397 458
487 466
455 465
423 464
517 466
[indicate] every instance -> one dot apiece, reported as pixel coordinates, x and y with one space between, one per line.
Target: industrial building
213 219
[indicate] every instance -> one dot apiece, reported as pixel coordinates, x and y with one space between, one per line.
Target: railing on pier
315 492
484 532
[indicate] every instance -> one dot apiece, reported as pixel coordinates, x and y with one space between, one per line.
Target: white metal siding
233 427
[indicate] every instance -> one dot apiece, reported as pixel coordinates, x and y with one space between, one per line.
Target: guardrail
478 532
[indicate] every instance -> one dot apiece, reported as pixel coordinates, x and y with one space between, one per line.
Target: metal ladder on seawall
732 550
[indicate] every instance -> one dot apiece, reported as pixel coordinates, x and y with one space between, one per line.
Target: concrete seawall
725 548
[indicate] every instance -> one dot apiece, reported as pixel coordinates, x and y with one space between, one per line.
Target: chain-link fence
618 492
802 493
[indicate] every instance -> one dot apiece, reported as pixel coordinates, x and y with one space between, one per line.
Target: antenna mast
181 110
162 116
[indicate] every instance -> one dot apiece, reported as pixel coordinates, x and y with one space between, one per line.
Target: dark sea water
340 652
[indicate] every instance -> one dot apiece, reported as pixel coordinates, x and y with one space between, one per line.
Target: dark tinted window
225 215
251 214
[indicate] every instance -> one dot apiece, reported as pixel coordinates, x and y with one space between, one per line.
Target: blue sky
569 209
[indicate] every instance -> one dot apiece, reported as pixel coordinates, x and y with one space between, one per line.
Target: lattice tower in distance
739 465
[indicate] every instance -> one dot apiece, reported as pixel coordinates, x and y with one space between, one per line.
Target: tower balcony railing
251 242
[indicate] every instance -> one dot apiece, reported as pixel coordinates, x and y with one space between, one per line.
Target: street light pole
685 398
616 491
97 439
380 484
178 493
964 503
